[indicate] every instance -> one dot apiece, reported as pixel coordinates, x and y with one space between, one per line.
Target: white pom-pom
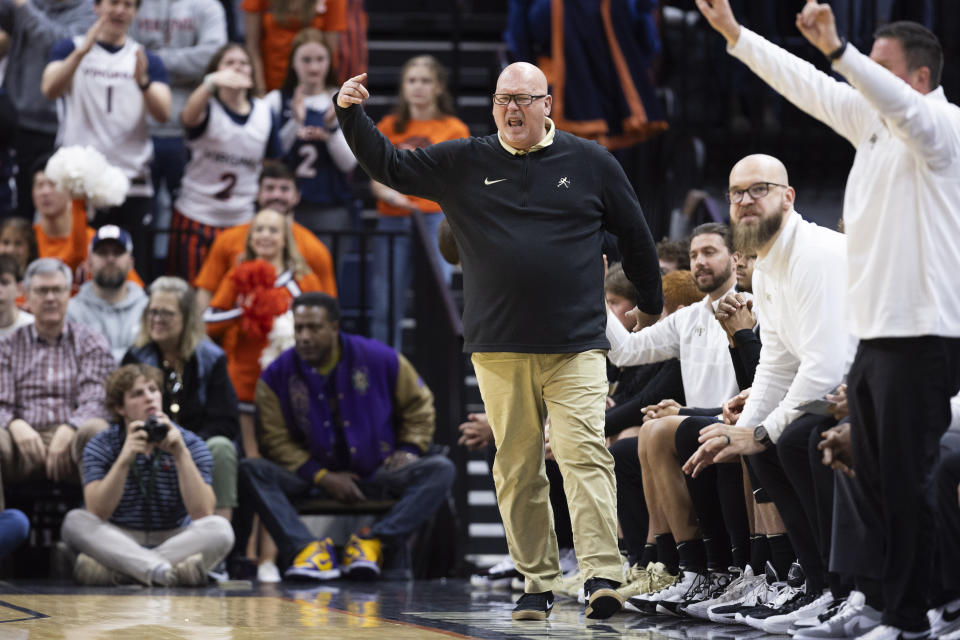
83 172
280 339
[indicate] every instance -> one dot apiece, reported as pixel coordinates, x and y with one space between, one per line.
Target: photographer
149 503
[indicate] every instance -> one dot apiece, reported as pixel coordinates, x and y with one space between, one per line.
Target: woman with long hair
197 392
249 311
229 133
313 145
423 116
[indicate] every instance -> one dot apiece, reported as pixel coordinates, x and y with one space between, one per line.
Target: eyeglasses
757 191
522 99
43 292
161 314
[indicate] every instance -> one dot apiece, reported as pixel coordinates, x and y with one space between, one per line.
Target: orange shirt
226 250
276 39
243 351
419 134
72 249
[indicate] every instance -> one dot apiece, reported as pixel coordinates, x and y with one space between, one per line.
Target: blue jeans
14 529
383 319
266 488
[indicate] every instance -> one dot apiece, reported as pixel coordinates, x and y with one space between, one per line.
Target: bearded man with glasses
528 207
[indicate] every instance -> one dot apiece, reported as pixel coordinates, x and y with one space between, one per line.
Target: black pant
802 489
717 492
899 393
631 505
948 518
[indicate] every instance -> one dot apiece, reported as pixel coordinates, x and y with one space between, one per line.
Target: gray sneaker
88 571
190 572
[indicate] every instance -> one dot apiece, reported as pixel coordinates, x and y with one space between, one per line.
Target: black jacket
529 229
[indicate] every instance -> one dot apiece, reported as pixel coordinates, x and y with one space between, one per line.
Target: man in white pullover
902 201
798 285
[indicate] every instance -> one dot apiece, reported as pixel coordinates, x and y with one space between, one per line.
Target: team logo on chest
360 380
563 183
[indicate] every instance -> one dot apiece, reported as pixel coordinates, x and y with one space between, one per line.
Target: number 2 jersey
104 108
319 157
226 154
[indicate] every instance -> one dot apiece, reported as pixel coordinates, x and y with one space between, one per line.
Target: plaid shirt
53 382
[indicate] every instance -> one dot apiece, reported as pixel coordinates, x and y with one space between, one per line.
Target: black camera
156 430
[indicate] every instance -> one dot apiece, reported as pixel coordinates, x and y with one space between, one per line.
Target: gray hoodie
120 323
34 28
184 34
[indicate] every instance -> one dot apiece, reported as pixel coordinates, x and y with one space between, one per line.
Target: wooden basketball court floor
427 610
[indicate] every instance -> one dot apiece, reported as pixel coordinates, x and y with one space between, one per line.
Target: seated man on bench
346 418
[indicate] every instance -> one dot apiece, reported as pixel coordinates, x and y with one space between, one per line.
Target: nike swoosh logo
488 181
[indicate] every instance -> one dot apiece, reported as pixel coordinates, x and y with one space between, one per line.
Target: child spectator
11 318
313 145
228 133
423 116
271 26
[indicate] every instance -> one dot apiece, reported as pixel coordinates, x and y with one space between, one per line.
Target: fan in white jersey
313 145
106 84
229 132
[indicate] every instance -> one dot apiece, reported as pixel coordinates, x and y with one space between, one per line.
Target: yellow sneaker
660 578
362 558
317 561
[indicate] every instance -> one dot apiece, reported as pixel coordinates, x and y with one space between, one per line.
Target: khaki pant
519 390
139 553
15 468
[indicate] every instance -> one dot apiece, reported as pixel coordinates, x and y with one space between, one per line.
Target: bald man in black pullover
528 207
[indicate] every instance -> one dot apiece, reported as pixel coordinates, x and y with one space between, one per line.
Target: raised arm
58 75
834 103
417 172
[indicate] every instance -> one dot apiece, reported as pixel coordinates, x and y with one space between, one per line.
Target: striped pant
189 242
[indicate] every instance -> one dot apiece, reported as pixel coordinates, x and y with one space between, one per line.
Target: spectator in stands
197 392
148 505
423 116
184 34
110 304
251 301
61 230
277 191
11 318
108 84
229 133
271 25
907 140
313 145
17 240
674 255
51 391
347 418
34 27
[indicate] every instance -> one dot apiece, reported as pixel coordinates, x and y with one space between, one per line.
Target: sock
667 552
781 554
759 554
741 556
693 555
649 555
162 575
718 553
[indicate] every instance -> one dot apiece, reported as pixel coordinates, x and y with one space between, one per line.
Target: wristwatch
760 435
836 53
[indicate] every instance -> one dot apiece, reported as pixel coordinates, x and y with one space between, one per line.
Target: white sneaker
499 576
800 608
886 632
759 594
268 572
690 584
743 582
568 561
854 618
945 620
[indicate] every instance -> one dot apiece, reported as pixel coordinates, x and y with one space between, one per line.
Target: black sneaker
533 606
602 599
